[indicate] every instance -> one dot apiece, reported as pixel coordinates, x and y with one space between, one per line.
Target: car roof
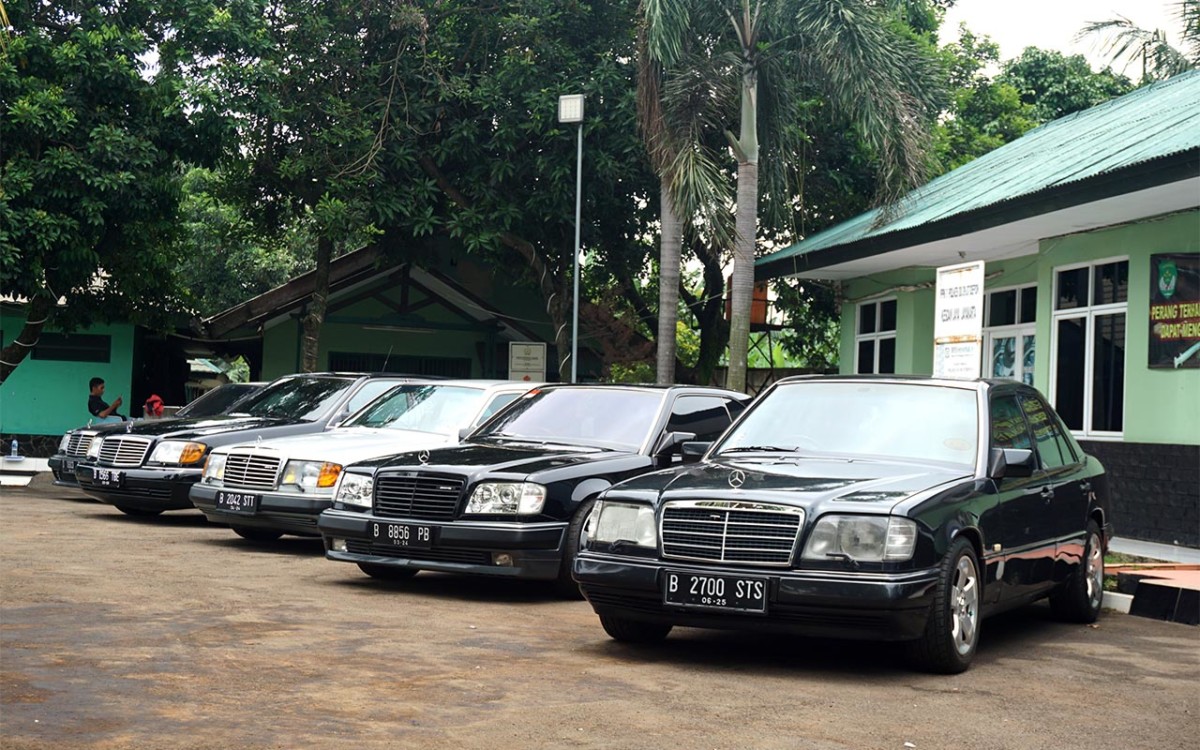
715 390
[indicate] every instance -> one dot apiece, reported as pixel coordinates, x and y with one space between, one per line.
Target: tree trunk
710 314
747 230
314 318
668 285
40 309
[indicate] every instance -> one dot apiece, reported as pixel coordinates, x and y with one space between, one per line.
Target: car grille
730 532
251 471
463 556
122 450
432 497
77 445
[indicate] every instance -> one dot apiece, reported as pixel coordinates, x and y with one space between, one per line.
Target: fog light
337 545
502 559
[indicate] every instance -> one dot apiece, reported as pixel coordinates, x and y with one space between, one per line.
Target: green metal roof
1153 123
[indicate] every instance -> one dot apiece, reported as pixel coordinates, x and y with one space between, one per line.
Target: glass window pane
866 318
1028 353
887 315
1071 344
1112 283
1008 424
1004 357
887 356
1050 444
1028 305
866 357
1072 289
1108 373
1002 308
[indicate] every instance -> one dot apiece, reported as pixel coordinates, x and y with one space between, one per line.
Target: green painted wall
1161 406
48 397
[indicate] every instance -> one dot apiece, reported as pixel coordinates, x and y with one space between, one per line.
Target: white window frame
1088 312
1017 330
877 335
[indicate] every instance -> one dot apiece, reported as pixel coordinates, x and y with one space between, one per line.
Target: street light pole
570 109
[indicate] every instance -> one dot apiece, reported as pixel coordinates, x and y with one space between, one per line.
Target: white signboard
958 321
526 361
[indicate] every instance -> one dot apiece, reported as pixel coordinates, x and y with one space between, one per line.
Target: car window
1009 429
600 417
705 416
305 399
497 403
862 418
1052 446
444 409
370 391
216 401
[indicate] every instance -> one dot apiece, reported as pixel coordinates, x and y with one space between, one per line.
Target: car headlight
62 444
178 452
214 468
862 538
355 489
93 450
521 498
626 522
310 476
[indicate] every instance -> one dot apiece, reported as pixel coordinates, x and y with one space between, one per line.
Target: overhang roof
1069 175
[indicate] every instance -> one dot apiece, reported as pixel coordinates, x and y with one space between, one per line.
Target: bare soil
174 633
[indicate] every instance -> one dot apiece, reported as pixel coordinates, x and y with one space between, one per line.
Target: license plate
68 466
237 502
108 477
402 535
736 593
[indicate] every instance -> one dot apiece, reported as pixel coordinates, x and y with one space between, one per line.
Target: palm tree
1124 40
782 53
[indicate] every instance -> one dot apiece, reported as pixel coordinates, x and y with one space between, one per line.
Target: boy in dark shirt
96 404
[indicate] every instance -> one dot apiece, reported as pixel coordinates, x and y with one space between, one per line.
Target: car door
1026 536
1067 506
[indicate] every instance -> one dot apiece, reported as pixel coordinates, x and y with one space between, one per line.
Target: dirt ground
174 633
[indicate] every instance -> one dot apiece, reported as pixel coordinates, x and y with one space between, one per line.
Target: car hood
845 485
346 445
199 427
522 460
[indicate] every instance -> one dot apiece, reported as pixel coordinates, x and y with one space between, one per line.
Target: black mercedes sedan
146 467
898 509
512 498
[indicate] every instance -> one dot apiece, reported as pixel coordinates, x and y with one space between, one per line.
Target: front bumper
141 488
277 511
876 606
62 467
535 550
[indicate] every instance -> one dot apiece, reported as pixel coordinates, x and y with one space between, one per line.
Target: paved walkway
1155 551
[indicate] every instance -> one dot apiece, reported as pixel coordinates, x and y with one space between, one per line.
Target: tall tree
90 139
1054 85
861 59
1123 40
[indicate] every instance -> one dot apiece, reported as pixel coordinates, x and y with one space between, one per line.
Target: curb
1116 602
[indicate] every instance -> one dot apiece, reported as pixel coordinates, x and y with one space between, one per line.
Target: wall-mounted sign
526 361
958 321
1175 310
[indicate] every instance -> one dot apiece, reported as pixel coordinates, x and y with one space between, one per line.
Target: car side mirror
1011 462
669 441
693 450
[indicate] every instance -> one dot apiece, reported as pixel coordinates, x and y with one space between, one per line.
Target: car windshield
444 409
305 399
597 417
873 420
216 401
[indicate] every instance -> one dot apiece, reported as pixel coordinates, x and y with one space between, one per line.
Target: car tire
1079 598
137 512
256 535
565 586
952 630
387 572
633 631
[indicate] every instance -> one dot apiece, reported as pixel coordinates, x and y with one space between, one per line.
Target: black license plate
237 502
108 477
402 535
735 593
68 466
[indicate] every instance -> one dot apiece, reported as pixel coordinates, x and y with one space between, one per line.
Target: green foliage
1054 84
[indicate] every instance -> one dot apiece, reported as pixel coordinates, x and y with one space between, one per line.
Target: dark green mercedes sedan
898 509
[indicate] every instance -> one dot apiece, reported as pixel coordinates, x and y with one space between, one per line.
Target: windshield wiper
759 449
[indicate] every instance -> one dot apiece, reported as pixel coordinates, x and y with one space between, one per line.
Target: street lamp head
570 108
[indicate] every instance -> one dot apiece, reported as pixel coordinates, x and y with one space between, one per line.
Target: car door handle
1047 493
